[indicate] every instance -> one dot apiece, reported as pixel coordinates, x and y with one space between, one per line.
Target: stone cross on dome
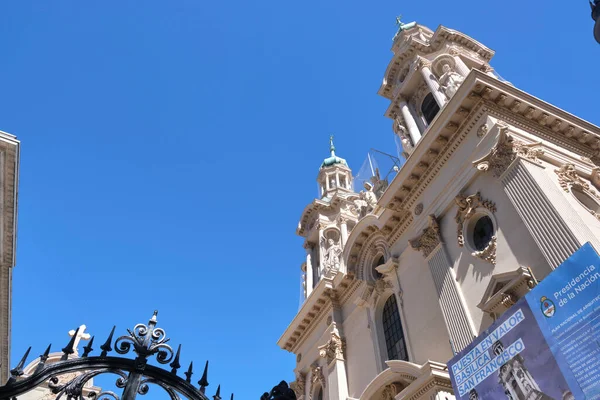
81 334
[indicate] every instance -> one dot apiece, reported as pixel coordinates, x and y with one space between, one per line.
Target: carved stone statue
367 200
369 196
332 256
450 80
407 145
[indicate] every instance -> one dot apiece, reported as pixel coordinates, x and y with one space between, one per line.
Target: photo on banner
546 346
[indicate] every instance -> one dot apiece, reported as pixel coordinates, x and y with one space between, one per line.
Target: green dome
333 159
329 161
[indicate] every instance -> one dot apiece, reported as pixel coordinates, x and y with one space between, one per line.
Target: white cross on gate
80 335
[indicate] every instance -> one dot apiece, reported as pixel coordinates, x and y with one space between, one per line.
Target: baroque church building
497 190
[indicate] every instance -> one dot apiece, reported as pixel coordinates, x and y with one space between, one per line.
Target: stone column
344 230
554 225
411 125
461 67
309 268
432 82
5 320
456 315
333 352
322 227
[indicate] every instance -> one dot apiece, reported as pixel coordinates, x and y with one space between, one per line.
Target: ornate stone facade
467 206
429 239
526 219
569 179
489 253
318 377
299 385
334 348
505 152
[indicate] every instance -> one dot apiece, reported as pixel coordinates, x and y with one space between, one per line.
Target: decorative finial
203 382
331 146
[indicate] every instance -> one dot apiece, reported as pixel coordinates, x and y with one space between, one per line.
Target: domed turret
334 174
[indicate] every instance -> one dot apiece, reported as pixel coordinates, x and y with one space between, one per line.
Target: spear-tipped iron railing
133 375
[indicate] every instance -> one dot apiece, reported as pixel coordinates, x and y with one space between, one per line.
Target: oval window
483 230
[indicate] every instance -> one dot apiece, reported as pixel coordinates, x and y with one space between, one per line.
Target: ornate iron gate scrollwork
133 376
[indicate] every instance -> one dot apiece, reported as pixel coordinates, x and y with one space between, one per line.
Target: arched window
392 330
429 108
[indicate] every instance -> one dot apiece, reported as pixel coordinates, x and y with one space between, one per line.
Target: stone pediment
505 289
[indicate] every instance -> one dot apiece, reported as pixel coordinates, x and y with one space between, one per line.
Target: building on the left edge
9 185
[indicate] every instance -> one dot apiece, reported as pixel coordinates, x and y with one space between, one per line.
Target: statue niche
450 80
331 255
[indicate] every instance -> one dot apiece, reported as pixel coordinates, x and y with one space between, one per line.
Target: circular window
483 230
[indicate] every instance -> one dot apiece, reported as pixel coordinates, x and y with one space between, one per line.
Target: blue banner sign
547 346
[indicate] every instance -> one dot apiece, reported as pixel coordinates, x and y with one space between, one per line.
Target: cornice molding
510 105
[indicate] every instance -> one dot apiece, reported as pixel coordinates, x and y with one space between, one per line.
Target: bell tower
327 221
426 70
334 175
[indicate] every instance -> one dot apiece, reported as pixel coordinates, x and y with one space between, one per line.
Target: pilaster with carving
505 151
317 376
429 239
334 348
299 385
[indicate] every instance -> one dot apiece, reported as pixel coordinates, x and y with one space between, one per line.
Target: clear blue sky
169 147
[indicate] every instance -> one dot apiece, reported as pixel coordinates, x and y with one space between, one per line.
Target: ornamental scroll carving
390 391
489 253
569 179
429 239
467 205
334 348
317 376
505 152
382 284
299 385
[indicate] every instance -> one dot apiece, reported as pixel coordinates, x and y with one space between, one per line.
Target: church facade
497 190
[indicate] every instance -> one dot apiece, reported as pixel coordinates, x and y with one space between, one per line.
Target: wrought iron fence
134 376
